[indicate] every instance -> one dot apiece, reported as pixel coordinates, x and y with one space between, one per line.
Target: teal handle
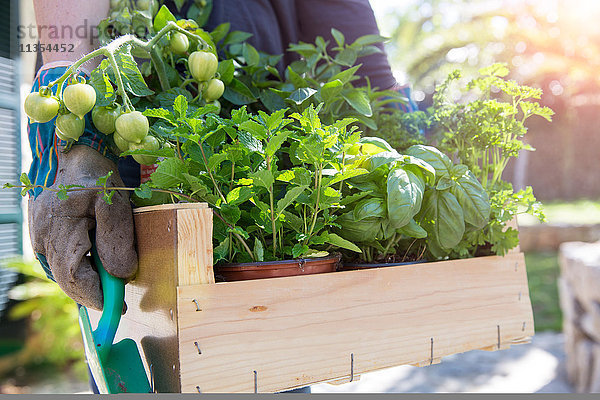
113 290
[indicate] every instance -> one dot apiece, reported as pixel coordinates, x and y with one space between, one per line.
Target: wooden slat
194 246
308 326
167 207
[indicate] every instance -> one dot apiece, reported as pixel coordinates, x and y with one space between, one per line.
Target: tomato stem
109 50
108 188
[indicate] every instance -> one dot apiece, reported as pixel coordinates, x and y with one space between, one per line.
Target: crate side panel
194 246
151 317
301 330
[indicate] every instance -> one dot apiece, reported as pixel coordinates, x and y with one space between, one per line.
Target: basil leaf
404 196
473 199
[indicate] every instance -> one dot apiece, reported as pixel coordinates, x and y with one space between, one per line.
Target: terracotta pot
355 266
276 269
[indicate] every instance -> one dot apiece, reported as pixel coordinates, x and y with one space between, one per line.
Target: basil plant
409 206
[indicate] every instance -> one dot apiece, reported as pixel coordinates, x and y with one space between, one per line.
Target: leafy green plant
400 129
54 338
323 75
274 187
410 203
484 134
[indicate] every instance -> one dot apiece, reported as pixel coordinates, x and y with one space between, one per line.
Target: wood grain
309 326
151 318
194 246
168 207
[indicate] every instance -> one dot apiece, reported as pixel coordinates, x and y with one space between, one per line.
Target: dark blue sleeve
354 18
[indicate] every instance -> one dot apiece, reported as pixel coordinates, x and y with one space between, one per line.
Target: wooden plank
151 318
163 207
301 330
194 246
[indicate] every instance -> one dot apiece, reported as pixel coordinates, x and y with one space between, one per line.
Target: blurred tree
551 44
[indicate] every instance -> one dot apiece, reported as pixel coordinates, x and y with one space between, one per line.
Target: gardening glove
60 229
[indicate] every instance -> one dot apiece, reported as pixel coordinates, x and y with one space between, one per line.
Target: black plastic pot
356 266
276 269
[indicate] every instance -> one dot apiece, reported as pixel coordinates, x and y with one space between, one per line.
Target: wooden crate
275 334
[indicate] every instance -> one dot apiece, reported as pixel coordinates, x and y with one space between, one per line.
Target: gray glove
59 229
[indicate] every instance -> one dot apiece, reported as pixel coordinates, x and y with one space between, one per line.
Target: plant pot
356 266
276 269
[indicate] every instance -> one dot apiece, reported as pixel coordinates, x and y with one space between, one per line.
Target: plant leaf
289 198
347 174
239 195
263 178
169 173
274 144
238 93
404 196
130 73
162 17
339 241
180 106
358 100
473 199
433 157
332 89
226 70
259 251
413 230
300 95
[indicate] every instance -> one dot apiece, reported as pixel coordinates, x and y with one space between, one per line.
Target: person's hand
59 229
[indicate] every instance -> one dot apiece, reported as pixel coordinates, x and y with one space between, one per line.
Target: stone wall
579 288
548 237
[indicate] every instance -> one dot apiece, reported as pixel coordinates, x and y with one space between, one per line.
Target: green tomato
203 65
217 104
214 90
40 108
115 4
69 126
79 98
179 43
104 118
121 143
132 126
149 143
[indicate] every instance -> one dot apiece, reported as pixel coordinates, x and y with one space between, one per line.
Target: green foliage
543 271
324 75
484 134
270 179
419 197
401 130
54 337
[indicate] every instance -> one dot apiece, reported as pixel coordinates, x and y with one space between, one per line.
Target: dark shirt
275 24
